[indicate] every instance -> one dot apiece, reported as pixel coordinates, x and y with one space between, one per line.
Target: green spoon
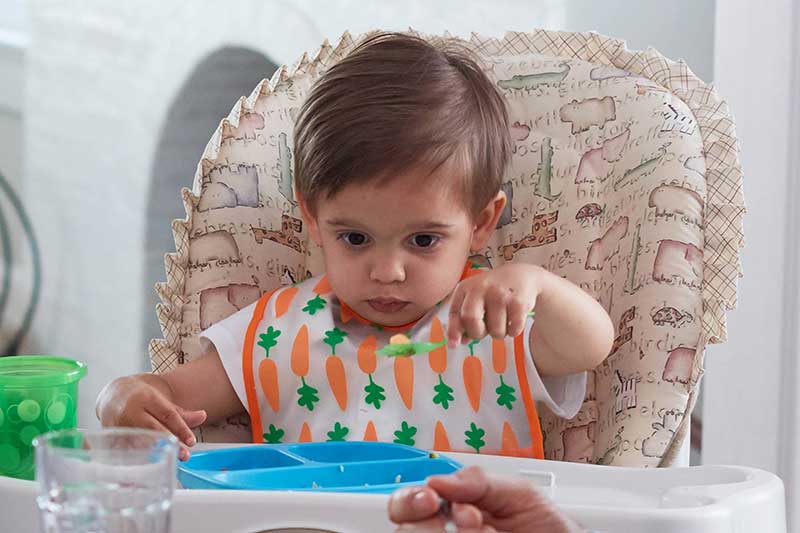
406 349
409 348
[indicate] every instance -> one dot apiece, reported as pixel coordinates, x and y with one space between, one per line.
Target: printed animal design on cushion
529 82
229 185
600 250
643 169
672 200
221 302
669 316
589 211
215 246
678 260
284 169
624 331
249 123
587 113
519 132
595 164
607 457
578 443
291 227
608 73
678 368
542 233
696 164
656 444
545 172
631 286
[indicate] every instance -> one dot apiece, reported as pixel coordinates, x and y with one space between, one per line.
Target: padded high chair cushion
624 179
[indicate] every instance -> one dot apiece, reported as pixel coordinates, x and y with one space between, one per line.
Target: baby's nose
388 269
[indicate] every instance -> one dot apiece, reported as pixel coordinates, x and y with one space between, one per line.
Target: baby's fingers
151 422
171 417
517 313
472 315
454 326
496 313
193 418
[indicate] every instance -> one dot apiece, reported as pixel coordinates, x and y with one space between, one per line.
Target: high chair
625 179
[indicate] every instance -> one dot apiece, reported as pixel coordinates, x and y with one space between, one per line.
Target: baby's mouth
387 305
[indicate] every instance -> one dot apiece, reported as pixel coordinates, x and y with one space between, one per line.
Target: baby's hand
133 402
495 303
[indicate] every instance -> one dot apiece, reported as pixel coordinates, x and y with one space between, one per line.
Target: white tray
702 499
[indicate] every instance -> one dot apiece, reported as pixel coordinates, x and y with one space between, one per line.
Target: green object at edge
38 393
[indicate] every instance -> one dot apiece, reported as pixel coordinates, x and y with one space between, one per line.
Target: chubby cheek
434 284
344 273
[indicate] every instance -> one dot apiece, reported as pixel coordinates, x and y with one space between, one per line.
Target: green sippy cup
38 393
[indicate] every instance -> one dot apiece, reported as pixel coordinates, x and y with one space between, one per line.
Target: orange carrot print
437 358
284 300
366 354
305 433
267 370
299 359
440 441
268 376
473 376
499 355
334 367
404 379
300 352
369 433
510 445
322 286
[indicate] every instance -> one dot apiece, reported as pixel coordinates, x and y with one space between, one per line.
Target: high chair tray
368 467
699 499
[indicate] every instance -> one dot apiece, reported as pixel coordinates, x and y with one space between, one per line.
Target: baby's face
393 251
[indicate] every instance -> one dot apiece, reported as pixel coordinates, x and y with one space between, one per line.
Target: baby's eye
424 240
354 238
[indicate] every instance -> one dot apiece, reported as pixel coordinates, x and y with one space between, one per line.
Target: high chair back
625 179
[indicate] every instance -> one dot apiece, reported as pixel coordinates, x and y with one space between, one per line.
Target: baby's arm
571 331
175 401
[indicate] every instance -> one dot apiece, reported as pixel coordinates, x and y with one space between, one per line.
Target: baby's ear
486 221
309 219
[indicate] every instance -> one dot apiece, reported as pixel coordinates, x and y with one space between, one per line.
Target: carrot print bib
311 374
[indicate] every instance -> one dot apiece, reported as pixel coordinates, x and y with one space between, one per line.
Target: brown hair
397 103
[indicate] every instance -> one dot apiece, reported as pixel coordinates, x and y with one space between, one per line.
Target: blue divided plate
373 467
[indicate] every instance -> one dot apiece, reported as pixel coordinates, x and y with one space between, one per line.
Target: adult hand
480 503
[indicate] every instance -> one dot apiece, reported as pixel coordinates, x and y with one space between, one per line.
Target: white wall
679 29
751 409
13 44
